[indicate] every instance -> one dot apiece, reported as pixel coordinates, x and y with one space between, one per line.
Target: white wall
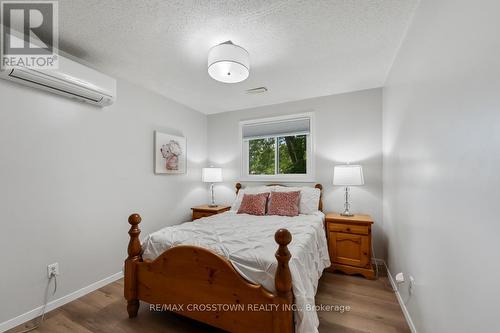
348 129
441 165
71 174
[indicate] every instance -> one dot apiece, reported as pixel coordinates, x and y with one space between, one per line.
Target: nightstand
205 211
349 243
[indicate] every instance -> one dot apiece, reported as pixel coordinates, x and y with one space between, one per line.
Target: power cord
46 300
374 258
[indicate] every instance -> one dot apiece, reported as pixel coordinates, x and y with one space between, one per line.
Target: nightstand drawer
349 228
199 215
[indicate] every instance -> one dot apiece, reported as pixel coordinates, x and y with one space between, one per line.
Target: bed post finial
134 245
238 187
134 256
283 278
320 188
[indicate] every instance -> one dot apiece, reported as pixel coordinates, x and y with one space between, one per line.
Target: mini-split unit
71 80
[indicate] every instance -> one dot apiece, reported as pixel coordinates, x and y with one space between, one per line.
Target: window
277 149
278 155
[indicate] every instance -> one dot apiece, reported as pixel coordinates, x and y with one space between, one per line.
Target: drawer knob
348 229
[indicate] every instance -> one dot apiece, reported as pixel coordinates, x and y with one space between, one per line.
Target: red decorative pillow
284 203
254 204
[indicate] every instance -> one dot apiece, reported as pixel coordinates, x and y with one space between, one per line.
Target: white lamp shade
348 175
211 175
228 63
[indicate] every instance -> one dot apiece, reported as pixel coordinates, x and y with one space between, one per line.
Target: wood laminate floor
373 308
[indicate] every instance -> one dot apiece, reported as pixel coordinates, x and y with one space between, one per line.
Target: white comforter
248 242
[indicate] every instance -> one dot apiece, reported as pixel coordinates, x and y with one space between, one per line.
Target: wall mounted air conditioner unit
71 79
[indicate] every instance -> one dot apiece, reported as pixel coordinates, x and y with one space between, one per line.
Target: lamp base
213 205
347 213
347 205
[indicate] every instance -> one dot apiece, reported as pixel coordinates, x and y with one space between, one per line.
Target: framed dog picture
170 154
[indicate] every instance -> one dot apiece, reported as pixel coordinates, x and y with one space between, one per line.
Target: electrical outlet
411 285
400 278
53 269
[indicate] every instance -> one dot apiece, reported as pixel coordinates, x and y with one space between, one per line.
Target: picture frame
170 153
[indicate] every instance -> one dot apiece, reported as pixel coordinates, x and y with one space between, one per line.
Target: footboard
199 284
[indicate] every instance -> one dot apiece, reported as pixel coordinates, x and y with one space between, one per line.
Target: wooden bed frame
190 280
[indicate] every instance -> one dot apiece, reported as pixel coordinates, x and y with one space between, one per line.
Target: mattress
247 241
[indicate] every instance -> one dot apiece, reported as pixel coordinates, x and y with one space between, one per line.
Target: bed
222 270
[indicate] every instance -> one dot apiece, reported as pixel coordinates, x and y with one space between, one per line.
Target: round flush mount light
228 63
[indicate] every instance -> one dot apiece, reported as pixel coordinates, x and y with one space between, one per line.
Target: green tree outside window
261 156
292 155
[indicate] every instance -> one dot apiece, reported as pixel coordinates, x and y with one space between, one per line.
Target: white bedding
248 242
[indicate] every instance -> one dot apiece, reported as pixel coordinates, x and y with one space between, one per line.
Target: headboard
318 186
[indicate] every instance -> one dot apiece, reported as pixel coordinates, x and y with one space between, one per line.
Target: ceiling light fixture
228 63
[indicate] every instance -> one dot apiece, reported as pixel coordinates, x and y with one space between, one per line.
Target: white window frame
310 153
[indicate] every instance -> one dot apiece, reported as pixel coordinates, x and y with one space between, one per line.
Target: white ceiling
298 49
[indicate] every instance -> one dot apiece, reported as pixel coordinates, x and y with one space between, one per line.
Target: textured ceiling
298 49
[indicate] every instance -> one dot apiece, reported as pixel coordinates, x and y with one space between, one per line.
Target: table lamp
211 175
348 175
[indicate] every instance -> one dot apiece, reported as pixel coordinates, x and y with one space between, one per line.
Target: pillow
284 203
309 197
249 190
253 204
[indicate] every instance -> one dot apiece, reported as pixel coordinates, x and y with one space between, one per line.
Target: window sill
280 179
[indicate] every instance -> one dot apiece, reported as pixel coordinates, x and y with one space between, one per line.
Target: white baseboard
400 299
11 323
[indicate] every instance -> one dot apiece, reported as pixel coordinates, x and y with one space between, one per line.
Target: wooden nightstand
349 244
205 210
